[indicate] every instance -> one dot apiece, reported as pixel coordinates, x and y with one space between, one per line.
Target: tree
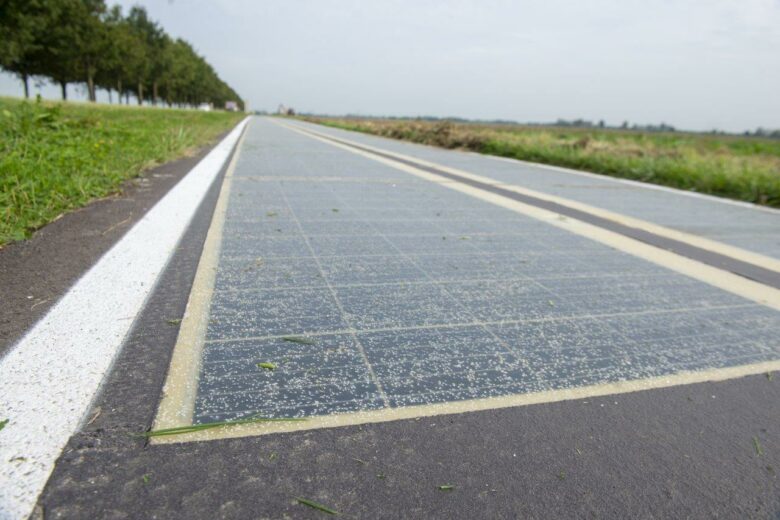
59 54
160 63
149 36
123 57
92 41
22 25
81 41
182 72
110 74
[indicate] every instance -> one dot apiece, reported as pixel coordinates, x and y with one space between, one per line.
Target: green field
57 157
743 168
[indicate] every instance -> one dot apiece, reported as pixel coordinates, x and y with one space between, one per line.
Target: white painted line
49 378
563 169
635 183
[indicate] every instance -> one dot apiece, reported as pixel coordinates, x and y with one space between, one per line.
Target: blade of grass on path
757 446
299 339
205 426
315 505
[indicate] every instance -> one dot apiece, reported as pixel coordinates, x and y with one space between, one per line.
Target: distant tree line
575 123
764 132
86 42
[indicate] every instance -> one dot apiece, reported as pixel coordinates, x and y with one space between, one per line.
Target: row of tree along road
86 42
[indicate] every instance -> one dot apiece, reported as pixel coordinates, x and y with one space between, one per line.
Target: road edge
50 377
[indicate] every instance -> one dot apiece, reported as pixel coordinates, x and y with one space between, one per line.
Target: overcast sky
696 64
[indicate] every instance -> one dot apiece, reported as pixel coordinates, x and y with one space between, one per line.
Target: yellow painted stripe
737 253
181 383
472 405
722 279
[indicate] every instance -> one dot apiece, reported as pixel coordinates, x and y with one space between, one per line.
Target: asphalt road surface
460 336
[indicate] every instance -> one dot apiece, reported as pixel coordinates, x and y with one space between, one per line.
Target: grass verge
58 157
742 168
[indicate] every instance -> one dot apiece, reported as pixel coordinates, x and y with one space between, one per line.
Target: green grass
742 168
58 157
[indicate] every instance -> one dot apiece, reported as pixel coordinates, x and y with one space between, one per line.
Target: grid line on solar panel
561 319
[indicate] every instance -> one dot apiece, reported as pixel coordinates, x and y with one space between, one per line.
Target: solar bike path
346 290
